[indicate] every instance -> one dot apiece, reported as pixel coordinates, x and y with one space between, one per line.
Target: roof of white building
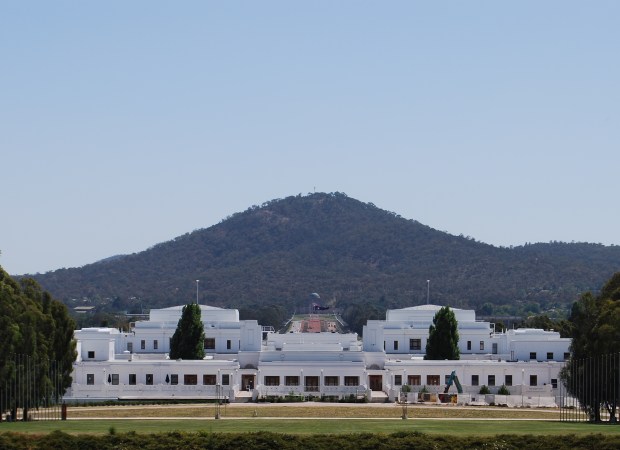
208 313
426 313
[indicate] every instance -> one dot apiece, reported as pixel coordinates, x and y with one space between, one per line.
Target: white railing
149 391
303 391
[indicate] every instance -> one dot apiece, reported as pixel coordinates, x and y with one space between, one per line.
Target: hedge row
264 440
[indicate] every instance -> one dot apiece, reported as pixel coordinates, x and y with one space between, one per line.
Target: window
532 355
533 380
508 380
474 380
398 380
415 344
331 381
566 355
209 380
142 344
468 345
291 380
494 348
149 379
115 379
549 355
225 379
481 345
272 380
311 384
491 380
395 345
554 383
155 344
351 381
433 380
174 378
90 378
190 380
209 344
132 378
130 347
228 344
414 380
91 354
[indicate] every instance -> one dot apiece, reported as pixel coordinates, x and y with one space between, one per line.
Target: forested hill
349 252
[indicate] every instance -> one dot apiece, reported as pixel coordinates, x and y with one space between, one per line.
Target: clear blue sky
127 123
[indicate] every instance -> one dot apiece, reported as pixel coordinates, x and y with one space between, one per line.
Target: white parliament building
247 362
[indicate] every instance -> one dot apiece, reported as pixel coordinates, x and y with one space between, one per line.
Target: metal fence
30 389
590 389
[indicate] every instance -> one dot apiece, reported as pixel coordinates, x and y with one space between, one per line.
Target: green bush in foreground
263 440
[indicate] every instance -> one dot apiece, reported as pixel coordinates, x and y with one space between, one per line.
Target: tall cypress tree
188 339
443 336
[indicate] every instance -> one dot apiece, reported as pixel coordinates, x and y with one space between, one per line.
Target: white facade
405 331
246 362
225 334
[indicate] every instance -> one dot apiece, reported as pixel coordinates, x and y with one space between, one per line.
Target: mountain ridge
349 251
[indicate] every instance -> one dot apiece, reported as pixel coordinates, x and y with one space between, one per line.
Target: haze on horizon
126 124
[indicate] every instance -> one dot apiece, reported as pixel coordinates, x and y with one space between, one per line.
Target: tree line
38 349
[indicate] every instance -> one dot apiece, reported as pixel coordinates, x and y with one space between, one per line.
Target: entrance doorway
376 382
247 382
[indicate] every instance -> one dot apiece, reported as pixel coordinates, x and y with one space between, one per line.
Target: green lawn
315 426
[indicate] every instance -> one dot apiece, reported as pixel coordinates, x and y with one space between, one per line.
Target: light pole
428 290
197 281
522 385
217 401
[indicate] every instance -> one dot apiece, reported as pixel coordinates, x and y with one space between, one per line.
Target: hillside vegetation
354 254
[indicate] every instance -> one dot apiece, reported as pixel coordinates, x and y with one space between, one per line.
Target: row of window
208 344
173 379
275 380
211 380
550 355
434 380
481 345
309 381
416 345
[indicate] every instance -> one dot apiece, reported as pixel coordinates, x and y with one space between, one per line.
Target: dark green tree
543 322
188 339
592 374
267 315
357 315
38 349
443 336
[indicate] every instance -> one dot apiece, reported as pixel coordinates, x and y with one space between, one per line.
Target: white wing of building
245 361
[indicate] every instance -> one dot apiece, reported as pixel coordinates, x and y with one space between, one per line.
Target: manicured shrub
503 390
